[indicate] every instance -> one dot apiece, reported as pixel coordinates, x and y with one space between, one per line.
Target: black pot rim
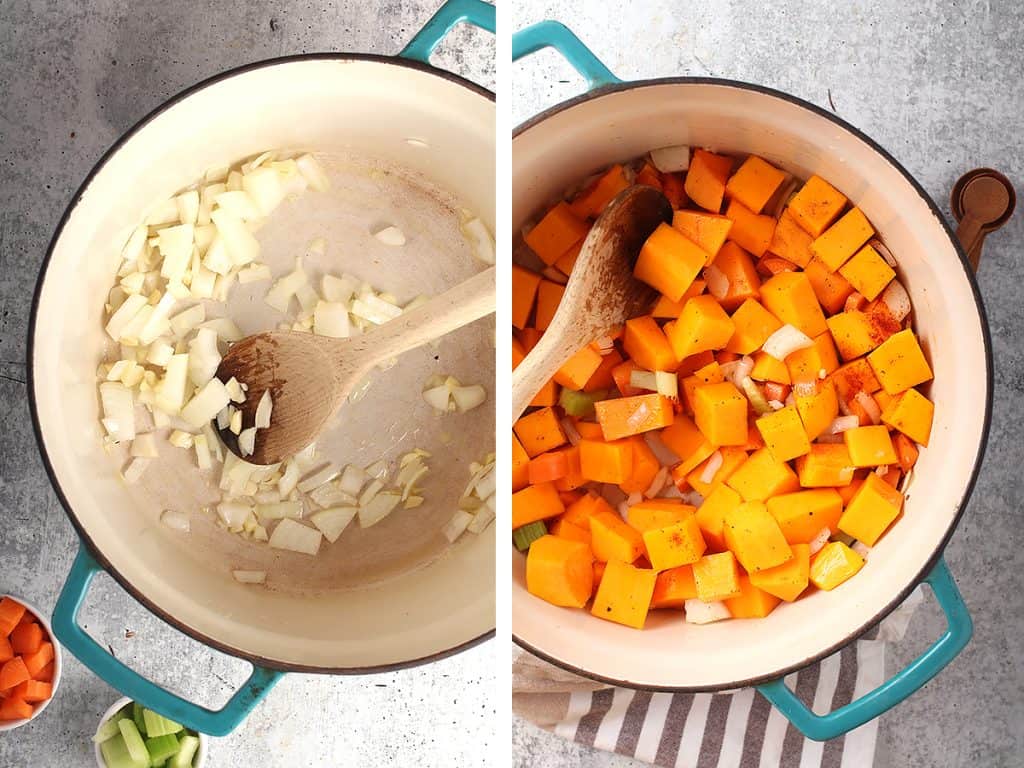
986 341
83 535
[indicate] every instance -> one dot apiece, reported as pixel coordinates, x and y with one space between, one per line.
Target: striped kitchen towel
737 729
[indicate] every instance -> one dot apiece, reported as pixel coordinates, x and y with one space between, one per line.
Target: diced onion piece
412 502
841 424
279 510
486 485
668 384
188 206
235 422
118 410
338 290
206 404
175 244
225 329
390 235
250 577
235 390
240 243
742 370
290 478
330 495
378 470
352 479
247 441
295 537
135 244
217 259
468 398
691 497
671 159
369 492
374 310
870 406
699 612
643 380
332 522
897 300
180 439
480 240
883 251
135 468
711 468
233 514
657 483
203 357
263 410
238 203
377 508
861 549
776 405
254 273
718 283
164 212
313 173
202 448
571 433
785 341
144 446
330 319
457 525
159 353
306 458
483 518
280 294
820 540
318 478
124 315
178 521
183 322
264 186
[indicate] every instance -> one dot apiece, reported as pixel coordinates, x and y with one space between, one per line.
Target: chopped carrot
621 375
26 638
34 662
6 652
906 451
45 674
13 673
14 708
11 612
33 691
672 185
548 467
775 391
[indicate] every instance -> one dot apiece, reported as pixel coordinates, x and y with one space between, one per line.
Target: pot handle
475 12
890 693
133 685
553 34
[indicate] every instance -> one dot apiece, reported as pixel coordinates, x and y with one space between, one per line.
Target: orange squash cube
754 324
790 241
711 515
606 462
548 395
709 374
732 458
843 239
807 364
716 577
755 538
556 233
658 513
674 587
789 580
802 515
899 363
708 230
682 436
574 477
868 272
577 370
646 344
704 325
720 412
706 178
871 510
645 467
752 602
856 376
784 434
535 502
834 564
674 545
625 416
666 308
549 295
669 262
751 231
612 538
560 571
624 595
870 446
854 333
539 431
580 511
818 411
789 296
767 368
827 465
740 271
754 183
563 529
911 413
816 205
524 291
518 353
762 476
520 465
567 260
589 203
681 472
831 288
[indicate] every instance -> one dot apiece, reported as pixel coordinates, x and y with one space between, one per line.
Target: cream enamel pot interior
401 141
620 121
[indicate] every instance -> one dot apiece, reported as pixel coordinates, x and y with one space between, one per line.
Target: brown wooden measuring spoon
982 201
601 292
309 377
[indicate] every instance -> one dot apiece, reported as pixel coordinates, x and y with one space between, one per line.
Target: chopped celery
116 755
158 725
139 716
188 746
162 747
579 404
756 397
525 535
133 741
109 729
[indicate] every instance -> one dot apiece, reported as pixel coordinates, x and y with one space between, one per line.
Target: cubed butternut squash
815 362
827 465
625 416
767 368
754 324
831 288
834 564
658 513
816 205
535 502
843 239
871 510
751 231
754 183
740 273
762 476
709 374
706 179
789 580
624 595
789 296
646 344
732 458
708 230
549 295
899 363
682 436
612 538
752 601
720 412
556 233
674 545
711 515
674 587
790 241
870 446
560 571
645 467
868 272
911 413
577 370
524 292
784 434
819 409
539 431
854 333
717 577
669 262
856 376
563 529
606 462
580 511
591 201
704 325
802 515
755 538
520 465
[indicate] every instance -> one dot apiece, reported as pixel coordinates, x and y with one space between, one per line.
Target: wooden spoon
601 292
309 376
982 200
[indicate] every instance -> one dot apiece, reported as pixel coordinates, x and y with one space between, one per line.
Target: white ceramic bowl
197 762
10 725
570 141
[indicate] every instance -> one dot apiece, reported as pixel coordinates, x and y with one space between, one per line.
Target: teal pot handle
133 685
896 689
552 34
474 12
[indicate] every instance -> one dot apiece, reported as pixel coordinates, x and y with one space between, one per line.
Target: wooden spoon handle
468 301
550 354
970 234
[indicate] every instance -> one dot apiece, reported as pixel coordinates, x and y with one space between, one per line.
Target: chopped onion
842 424
439 398
785 341
480 240
691 497
668 384
338 290
657 483
250 577
665 455
207 403
254 273
755 396
390 235
318 478
718 283
264 410
483 518
332 522
175 520
457 525
224 327
290 479
295 537
571 433
744 367
352 479
671 159
238 240
183 322
247 441
118 410
468 398
776 405
861 549
374 310
217 259
175 244
235 390
135 468
239 204
714 464
159 354
870 406
264 186
144 446
377 508
180 439
124 315
280 294
883 251
279 510
330 319
233 514
378 470
330 495
640 379
313 173
203 357
896 300
202 448
882 470
820 540
235 421
699 612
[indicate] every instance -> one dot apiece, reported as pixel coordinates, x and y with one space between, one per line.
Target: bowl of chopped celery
131 736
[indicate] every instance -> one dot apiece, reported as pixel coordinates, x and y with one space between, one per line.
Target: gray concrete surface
73 77
939 84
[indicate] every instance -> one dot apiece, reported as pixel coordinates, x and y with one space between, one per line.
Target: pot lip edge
75 199
972 282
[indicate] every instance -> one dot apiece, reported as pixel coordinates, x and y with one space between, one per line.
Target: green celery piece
133 741
525 535
189 745
158 725
579 404
107 730
138 715
115 754
162 747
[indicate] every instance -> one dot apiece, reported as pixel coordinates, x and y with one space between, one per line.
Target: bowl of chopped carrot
30 663
743 479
